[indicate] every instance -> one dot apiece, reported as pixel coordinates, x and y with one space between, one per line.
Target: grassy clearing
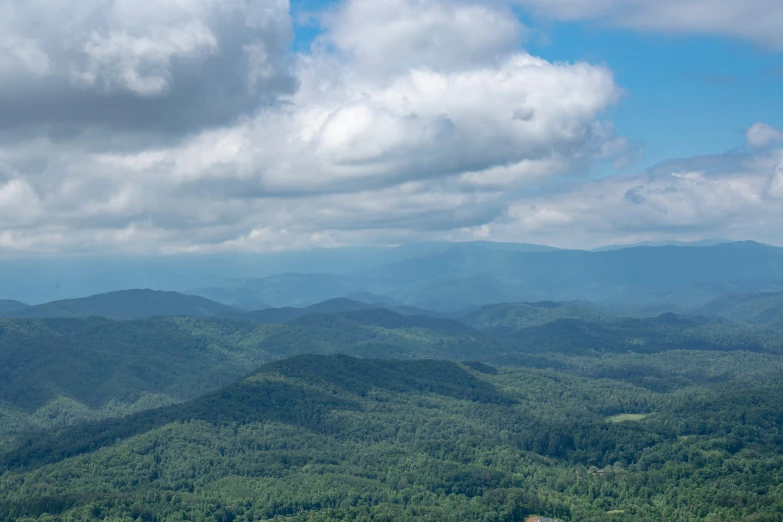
628 417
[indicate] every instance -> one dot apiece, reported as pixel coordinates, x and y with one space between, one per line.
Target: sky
218 126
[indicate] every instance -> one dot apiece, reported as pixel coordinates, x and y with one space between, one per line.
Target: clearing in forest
628 417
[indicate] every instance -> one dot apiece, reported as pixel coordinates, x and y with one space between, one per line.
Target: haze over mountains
523 353
471 275
455 278
445 277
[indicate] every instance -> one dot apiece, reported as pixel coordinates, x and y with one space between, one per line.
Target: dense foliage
56 372
512 410
340 438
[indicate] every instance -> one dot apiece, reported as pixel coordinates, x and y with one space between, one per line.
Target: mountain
284 290
9 305
58 371
61 371
456 277
337 305
647 335
327 438
763 308
509 317
126 304
700 243
282 315
643 276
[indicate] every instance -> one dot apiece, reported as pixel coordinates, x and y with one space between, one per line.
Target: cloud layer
190 126
734 196
139 65
378 142
758 21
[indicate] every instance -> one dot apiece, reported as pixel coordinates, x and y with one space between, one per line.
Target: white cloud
439 141
142 64
152 65
732 196
760 135
411 120
395 36
754 20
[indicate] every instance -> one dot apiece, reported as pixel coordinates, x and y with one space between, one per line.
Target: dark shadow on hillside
575 337
359 376
245 402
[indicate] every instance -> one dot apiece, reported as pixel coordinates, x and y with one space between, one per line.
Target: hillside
284 290
339 438
508 317
61 371
337 305
281 315
764 308
9 305
126 305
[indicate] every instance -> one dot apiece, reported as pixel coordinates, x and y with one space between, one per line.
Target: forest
348 411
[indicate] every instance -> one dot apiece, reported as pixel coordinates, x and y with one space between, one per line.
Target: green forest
365 414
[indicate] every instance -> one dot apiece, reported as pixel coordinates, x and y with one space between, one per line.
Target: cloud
737 196
163 66
191 137
398 35
760 135
758 21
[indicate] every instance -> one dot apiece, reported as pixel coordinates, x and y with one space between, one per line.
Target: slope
641 275
9 305
337 305
764 308
337 438
508 317
127 304
281 315
62 371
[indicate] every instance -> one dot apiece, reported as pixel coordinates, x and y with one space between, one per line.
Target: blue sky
686 95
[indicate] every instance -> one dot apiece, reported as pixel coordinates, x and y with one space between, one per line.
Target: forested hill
464 276
9 305
281 315
763 308
60 371
508 317
126 304
317 438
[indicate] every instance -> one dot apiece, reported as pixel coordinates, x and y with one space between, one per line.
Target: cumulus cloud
153 66
737 196
754 20
397 35
191 137
760 135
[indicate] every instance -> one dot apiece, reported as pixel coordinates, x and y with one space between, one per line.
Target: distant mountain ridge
509 317
762 308
125 305
471 275
699 243
9 305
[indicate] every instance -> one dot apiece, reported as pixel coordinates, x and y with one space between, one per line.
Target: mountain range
472 275
444 277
